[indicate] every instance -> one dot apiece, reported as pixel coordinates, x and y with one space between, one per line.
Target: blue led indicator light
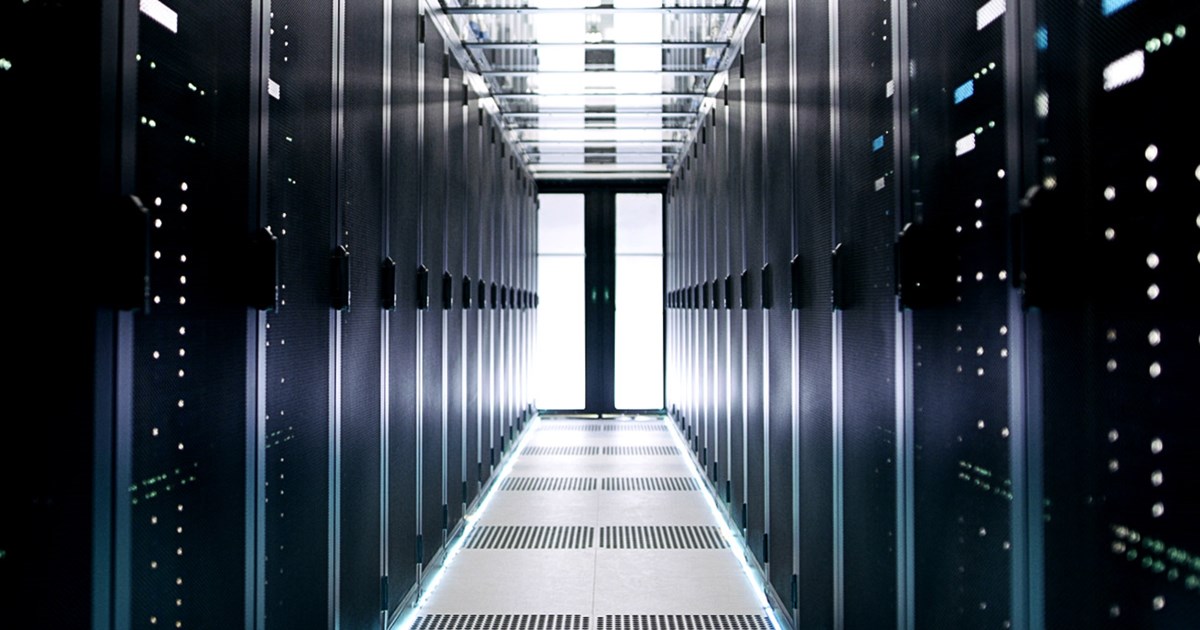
964 91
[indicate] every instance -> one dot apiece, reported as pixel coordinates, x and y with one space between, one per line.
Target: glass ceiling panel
598 85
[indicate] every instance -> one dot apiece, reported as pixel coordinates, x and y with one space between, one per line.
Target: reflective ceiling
592 89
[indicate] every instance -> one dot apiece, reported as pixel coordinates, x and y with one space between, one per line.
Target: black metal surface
301 209
474 308
718 467
490 438
754 222
1119 362
708 262
866 229
778 251
734 493
362 201
813 185
187 491
433 221
404 196
960 371
49 466
455 229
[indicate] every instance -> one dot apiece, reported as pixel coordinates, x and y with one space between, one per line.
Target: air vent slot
570 426
548 484
503 622
561 450
641 450
662 537
530 537
649 484
682 622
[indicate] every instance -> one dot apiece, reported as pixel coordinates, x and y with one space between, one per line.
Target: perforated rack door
1119 312
960 368
866 229
187 495
708 323
489 223
735 489
362 203
433 224
301 213
718 465
755 206
777 318
404 234
456 173
730 257
814 208
476 435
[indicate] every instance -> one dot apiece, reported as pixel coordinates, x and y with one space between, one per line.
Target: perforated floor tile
598 525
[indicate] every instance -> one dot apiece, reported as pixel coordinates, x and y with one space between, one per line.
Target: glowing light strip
406 621
736 545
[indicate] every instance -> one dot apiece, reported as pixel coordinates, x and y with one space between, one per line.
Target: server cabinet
471 304
777 314
735 485
456 174
184 508
404 234
865 228
753 516
300 357
707 252
433 256
49 491
361 205
501 272
718 469
1114 321
813 185
958 193
487 295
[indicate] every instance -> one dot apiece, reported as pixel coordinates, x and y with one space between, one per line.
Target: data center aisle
598 525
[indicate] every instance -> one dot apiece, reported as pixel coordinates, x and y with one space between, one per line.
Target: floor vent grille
641 450
530 537
627 426
561 450
649 484
503 622
570 426
662 537
549 484
682 622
